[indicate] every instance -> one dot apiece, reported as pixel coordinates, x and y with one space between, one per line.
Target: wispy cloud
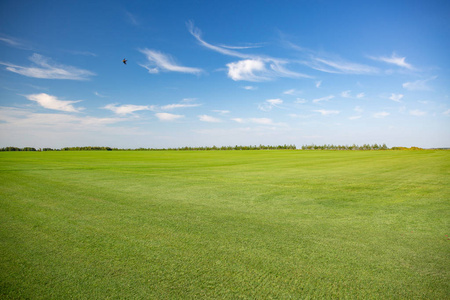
354 117
262 121
318 83
330 63
382 114
346 94
249 46
324 112
222 112
240 120
292 92
269 104
360 95
396 97
419 85
22 117
131 18
417 113
300 101
339 66
447 112
258 121
395 60
48 70
99 95
158 61
168 117
249 87
327 98
179 105
358 109
84 53
14 42
127 108
51 102
251 67
10 41
209 119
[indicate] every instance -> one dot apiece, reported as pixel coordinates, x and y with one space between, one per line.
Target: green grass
225 224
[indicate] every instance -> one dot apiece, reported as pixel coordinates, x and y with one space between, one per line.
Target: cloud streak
396 97
127 108
419 85
324 112
47 69
158 61
395 60
51 102
269 104
166 117
209 119
251 67
327 98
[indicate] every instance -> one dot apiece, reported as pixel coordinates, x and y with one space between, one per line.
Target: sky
205 73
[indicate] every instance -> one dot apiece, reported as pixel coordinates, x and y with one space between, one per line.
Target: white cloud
338 66
179 105
447 112
381 114
251 67
24 118
222 112
241 47
258 121
249 70
396 97
418 85
168 117
269 104
158 61
209 119
239 120
300 101
127 108
358 109
132 18
51 102
99 95
417 113
327 112
10 41
292 92
249 87
360 95
394 59
346 94
327 98
318 83
48 70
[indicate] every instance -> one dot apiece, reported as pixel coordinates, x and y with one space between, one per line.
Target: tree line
346 147
215 148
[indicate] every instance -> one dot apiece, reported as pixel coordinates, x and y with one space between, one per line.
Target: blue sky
203 73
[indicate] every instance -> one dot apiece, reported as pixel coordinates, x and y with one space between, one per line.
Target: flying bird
124 61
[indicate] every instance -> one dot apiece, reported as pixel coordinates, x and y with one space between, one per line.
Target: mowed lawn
225 224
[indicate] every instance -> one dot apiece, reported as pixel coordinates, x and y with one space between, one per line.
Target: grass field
225 224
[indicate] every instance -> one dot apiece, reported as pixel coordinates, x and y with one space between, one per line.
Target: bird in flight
124 61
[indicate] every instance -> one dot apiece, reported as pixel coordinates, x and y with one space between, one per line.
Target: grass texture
225 225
